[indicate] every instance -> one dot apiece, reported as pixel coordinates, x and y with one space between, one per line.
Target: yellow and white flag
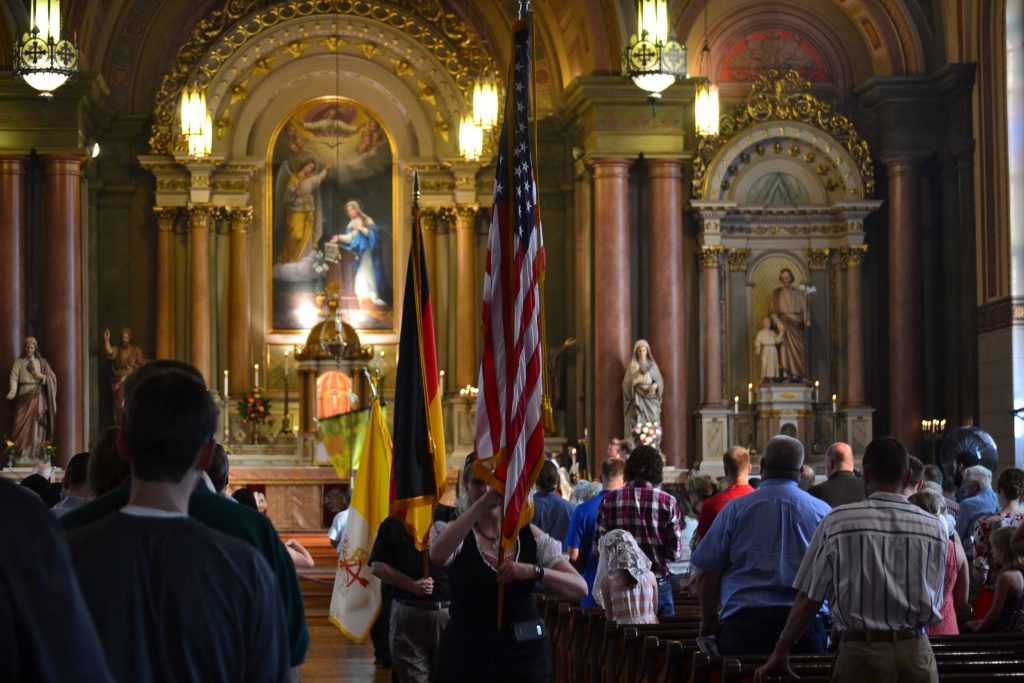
355 601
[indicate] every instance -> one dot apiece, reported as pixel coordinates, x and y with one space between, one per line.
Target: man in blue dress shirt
750 557
551 512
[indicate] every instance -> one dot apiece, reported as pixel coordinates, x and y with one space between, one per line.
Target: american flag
509 431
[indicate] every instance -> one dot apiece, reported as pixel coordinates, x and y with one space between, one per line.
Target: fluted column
666 288
613 317
906 339
711 261
200 220
62 304
238 298
12 253
467 303
165 217
851 259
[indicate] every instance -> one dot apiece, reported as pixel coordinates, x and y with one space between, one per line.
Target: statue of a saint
766 347
642 388
124 358
789 309
34 392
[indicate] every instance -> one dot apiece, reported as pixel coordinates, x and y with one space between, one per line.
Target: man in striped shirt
880 563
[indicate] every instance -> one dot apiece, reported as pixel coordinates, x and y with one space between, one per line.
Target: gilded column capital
165 217
711 257
465 215
817 259
428 220
737 259
853 256
239 217
446 214
200 216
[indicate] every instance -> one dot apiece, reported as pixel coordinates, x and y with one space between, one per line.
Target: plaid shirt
648 513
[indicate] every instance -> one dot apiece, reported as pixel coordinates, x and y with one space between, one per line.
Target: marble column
906 337
441 294
165 294
238 299
61 342
467 302
613 317
12 253
200 221
711 261
428 225
851 259
668 337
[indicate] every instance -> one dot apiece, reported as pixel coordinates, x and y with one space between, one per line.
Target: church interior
230 183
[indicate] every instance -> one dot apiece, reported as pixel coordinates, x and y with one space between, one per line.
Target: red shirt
715 503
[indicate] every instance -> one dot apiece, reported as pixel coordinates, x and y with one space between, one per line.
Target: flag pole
417 249
501 559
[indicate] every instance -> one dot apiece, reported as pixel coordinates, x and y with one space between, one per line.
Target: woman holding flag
472 643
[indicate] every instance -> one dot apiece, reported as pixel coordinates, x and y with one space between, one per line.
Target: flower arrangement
254 409
10 450
49 450
648 433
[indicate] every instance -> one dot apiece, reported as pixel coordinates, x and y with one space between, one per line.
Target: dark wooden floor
331 656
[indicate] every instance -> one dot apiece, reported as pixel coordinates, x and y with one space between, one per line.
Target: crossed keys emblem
353 565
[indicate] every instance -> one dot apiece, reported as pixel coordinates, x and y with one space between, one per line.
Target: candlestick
225 384
736 405
256 374
750 393
835 407
440 383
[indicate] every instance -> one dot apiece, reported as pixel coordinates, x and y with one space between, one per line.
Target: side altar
780 197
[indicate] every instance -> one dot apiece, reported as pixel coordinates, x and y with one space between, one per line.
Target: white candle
256 373
835 407
816 385
441 383
750 393
287 353
225 384
736 405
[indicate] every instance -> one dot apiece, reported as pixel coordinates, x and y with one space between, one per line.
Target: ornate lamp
196 124
471 139
44 58
485 102
653 59
706 99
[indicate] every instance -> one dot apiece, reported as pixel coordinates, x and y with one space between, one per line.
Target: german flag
418 458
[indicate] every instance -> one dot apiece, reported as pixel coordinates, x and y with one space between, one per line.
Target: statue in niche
34 392
766 347
642 388
124 358
789 312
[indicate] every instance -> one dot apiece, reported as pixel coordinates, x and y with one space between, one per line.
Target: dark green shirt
235 520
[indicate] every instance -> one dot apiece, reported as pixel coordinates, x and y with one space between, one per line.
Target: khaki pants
906 661
415 639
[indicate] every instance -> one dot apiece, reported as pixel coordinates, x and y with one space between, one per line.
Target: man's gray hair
784 452
981 476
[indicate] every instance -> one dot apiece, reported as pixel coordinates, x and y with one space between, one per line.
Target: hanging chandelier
196 123
44 58
471 139
653 59
706 96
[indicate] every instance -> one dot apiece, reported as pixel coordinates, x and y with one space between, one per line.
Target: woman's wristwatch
538 572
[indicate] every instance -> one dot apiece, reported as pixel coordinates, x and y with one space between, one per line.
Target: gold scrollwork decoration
784 97
224 31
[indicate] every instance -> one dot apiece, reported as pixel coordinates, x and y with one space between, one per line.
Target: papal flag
418 465
355 602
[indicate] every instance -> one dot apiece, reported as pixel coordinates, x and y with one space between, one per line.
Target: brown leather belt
424 604
881 636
